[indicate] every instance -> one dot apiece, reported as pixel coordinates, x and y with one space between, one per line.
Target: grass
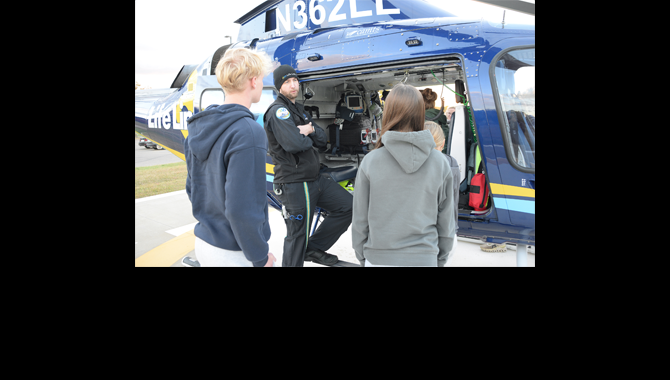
159 179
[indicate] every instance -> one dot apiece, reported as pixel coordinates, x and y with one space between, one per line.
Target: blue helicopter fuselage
325 40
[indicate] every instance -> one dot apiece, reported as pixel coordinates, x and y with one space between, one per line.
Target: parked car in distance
149 144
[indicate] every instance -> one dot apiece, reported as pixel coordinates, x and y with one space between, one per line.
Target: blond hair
436 131
237 66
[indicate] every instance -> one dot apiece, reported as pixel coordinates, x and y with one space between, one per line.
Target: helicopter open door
328 88
456 139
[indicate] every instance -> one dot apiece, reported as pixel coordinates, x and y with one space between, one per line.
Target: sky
173 33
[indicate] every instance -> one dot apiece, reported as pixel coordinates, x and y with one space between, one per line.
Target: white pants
450 255
211 256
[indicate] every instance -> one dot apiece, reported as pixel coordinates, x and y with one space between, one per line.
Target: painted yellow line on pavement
168 253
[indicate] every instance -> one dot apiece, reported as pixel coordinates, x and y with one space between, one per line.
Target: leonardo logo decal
283 113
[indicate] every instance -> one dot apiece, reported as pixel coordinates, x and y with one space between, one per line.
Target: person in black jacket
292 138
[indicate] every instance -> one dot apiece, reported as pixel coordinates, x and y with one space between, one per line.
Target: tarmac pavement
164 235
164 231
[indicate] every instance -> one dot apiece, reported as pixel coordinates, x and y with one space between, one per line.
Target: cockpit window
515 83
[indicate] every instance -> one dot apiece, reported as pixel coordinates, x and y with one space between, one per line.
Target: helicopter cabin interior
360 89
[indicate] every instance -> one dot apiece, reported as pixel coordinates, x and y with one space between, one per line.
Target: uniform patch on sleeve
282 113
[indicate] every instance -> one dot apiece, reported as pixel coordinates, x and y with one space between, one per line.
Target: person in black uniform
293 138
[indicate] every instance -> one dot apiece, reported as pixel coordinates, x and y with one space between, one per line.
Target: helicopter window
271 20
268 96
209 97
515 82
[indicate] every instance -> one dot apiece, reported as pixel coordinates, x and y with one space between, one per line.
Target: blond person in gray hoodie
403 210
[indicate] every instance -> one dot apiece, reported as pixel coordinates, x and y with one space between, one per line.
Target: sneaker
490 247
320 257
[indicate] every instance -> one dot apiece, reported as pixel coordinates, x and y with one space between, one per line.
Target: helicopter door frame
472 89
501 117
513 187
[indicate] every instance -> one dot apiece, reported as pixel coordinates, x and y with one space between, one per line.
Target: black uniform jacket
294 155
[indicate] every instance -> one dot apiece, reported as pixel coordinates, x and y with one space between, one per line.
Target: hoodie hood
410 149
205 127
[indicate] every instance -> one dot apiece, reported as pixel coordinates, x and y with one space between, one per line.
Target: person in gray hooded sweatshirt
403 210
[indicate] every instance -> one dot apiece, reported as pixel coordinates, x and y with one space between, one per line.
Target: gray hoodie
403 211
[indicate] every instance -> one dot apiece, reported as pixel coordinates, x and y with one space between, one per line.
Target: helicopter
347 53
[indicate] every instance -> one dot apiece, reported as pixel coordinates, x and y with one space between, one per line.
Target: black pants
300 200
